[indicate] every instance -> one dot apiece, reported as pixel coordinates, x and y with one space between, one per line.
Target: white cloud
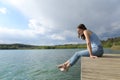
3 10
116 25
16 35
41 26
57 19
57 37
71 33
1 41
38 27
63 35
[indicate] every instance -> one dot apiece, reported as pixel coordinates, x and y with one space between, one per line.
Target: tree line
110 42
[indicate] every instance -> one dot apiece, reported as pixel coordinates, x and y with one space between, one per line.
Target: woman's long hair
81 26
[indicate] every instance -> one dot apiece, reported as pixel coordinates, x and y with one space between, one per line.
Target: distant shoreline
24 46
65 46
113 43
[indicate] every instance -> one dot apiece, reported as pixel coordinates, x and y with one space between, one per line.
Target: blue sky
52 22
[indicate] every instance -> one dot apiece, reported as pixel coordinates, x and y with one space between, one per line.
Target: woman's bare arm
88 42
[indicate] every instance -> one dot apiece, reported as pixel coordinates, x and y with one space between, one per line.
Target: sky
54 22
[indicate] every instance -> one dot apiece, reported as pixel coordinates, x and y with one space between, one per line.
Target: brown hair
81 26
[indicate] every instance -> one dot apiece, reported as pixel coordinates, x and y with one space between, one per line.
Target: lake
38 64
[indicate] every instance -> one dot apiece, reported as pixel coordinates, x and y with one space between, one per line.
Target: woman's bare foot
64 67
61 67
67 66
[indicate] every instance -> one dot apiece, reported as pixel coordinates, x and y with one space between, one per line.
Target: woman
94 47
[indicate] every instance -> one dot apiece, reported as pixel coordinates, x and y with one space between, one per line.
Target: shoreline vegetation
113 43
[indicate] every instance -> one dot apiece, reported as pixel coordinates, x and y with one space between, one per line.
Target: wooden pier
103 68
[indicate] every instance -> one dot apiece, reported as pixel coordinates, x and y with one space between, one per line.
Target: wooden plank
103 68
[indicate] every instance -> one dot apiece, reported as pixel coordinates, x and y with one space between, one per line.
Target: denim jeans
96 51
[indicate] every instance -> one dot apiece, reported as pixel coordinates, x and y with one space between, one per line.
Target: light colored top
95 41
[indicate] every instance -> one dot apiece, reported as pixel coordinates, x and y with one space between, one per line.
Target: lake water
38 64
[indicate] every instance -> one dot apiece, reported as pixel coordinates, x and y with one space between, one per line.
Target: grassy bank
113 43
115 47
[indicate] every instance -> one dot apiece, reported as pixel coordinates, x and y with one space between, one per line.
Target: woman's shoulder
88 32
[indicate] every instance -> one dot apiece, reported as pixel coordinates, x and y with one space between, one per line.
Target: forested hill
113 43
16 46
109 43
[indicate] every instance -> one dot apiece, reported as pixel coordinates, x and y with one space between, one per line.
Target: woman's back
95 41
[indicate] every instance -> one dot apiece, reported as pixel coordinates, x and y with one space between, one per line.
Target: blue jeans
96 51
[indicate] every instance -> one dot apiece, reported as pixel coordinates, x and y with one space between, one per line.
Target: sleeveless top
95 41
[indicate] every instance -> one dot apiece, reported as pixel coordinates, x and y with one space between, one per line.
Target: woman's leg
96 51
65 66
77 55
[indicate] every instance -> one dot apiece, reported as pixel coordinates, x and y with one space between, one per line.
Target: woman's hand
93 57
